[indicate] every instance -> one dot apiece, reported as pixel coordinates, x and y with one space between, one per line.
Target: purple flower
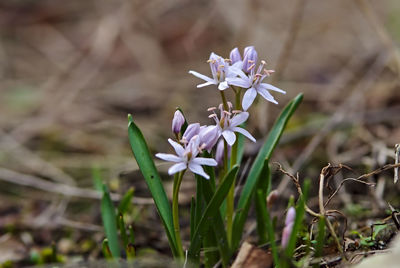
208 137
177 122
235 55
220 70
191 130
250 58
187 158
228 124
252 83
287 230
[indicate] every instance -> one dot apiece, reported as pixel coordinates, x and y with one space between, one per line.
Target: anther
251 67
211 109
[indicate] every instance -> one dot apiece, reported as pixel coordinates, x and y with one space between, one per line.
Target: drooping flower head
228 123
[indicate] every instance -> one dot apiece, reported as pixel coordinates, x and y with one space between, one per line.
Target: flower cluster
242 75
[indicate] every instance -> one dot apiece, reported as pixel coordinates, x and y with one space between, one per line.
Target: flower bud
289 222
177 122
191 130
235 55
250 58
208 137
219 154
290 216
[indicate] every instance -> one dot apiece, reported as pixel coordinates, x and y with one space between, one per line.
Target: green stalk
224 102
230 199
175 212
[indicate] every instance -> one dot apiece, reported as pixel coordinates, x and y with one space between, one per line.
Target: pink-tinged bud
177 122
250 58
289 222
219 154
191 130
290 216
208 137
235 55
287 231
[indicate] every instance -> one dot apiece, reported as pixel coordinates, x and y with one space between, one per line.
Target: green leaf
261 202
122 230
211 213
106 250
152 178
126 201
97 181
251 182
300 209
110 223
269 227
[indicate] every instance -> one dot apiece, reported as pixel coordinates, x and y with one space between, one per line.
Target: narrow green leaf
122 230
109 222
106 249
192 216
261 201
130 252
300 209
269 227
251 182
152 178
126 202
131 235
211 215
97 180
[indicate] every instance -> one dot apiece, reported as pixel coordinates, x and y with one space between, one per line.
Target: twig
396 161
59 188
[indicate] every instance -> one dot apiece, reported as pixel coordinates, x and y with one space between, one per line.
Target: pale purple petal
223 85
239 119
248 98
244 132
239 82
207 84
169 157
266 95
201 76
290 216
271 87
229 136
191 130
204 161
287 231
176 168
196 168
177 147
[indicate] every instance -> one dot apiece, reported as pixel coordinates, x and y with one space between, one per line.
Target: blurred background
71 71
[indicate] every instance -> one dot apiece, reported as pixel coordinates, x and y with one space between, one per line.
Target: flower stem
175 211
224 102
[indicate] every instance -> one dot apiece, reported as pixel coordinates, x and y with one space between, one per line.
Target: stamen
211 109
230 105
236 111
263 62
227 113
250 61
251 67
212 116
269 72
